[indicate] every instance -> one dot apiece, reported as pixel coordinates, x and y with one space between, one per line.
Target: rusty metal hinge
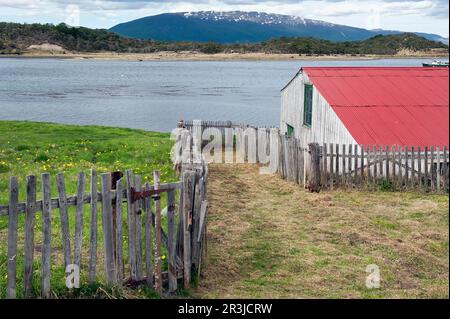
135 195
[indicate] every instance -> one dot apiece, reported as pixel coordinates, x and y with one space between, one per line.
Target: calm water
149 95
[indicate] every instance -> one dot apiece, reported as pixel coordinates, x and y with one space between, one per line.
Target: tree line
15 38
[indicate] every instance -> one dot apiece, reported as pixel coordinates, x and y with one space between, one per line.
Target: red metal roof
388 105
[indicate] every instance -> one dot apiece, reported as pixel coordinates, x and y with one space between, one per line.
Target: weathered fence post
158 261
119 231
79 212
331 166
445 170
426 168
12 237
138 228
336 171
30 221
438 168
94 223
188 192
171 245
419 166
47 235
325 165
314 180
148 238
362 165
131 224
64 216
432 169
108 228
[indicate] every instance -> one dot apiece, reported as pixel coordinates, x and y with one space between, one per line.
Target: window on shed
307 108
290 130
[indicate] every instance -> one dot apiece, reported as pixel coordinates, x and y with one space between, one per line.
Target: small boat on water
436 63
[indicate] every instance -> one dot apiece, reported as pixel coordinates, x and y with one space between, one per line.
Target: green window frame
290 130
307 107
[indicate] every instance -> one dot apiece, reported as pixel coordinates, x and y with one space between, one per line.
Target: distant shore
197 56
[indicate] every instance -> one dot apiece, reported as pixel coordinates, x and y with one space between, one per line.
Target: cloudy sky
406 15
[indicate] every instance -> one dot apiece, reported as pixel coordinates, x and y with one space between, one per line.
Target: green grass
28 148
263 244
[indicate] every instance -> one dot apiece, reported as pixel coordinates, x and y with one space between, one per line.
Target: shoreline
195 56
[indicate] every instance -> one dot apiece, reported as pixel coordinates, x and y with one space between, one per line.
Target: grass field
270 239
34 148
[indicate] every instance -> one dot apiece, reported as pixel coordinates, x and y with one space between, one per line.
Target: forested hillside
17 38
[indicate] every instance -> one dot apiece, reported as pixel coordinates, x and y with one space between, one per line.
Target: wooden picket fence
140 204
395 167
336 165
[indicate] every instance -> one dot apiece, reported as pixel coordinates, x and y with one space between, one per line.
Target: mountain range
243 27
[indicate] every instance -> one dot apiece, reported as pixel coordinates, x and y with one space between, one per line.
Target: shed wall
326 126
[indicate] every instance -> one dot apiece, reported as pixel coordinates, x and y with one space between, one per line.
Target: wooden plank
201 238
432 169
445 169
380 162
13 221
30 221
400 166
94 225
158 261
337 179
111 277
171 241
344 155
148 239
331 166
195 247
361 165
325 165
47 235
188 189
79 212
407 168
394 166
355 164
387 168
64 216
202 222
375 164
426 181
438 168
349 164
295 160
314 174
131 224
138 220
419 166
301 166
180 229
369 164
120 270
413 167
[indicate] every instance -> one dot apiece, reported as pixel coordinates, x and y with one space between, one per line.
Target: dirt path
270 239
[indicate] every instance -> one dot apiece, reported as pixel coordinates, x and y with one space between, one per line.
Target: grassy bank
275 240
33 148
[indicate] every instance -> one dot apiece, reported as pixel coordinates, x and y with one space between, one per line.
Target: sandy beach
197 56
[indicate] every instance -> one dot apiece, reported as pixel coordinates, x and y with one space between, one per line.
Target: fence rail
122 198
